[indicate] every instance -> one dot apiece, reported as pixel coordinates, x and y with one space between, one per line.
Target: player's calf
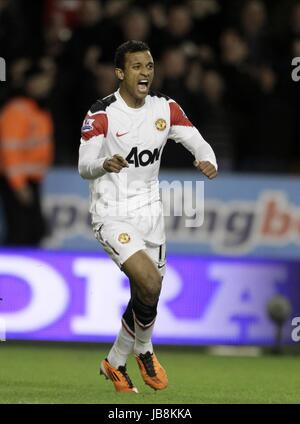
148 288
144 275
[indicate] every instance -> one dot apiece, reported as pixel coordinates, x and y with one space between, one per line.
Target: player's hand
206 168
115 164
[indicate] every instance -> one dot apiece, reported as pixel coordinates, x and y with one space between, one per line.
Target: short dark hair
130 46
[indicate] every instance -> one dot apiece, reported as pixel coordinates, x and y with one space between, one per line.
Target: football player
123 136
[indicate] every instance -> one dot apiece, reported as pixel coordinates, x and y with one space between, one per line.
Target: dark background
226 62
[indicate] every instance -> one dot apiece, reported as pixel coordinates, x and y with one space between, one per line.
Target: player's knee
152 287
153 293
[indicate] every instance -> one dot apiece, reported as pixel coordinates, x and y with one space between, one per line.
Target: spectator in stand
25 156
81 36
136 25
174 68
174 65
290 50
242 89
273 125
13 31
254 29
216 117
180 30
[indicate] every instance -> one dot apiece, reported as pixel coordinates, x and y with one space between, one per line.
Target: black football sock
144 319
143 314
128 320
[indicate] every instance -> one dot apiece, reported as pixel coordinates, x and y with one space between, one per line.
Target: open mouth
143 86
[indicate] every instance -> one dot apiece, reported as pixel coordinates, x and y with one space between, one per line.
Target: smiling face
136 77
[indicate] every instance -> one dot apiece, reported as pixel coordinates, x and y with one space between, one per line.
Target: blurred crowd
226 62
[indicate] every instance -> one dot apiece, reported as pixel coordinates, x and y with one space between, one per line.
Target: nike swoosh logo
121 134
160 266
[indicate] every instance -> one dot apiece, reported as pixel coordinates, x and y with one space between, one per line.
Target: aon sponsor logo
143 158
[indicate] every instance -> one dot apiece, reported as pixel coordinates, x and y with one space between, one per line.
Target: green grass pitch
69 374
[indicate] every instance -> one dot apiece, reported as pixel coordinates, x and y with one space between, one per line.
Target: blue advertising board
244 215
69 296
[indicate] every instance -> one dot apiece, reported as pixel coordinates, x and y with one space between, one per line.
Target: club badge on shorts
124 238
160 124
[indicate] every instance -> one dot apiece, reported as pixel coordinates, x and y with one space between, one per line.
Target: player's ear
119 74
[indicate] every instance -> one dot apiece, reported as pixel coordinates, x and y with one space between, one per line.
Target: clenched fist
206 168
115 164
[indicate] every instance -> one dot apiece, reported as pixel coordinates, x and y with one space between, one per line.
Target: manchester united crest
124 238
160 124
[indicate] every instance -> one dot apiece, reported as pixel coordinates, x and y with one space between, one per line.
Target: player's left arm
182 131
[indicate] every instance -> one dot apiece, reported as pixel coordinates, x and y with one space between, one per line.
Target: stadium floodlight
279 310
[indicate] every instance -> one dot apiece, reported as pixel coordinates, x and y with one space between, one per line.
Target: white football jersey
139 136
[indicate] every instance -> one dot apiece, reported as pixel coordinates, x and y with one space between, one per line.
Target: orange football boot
118 376
152 372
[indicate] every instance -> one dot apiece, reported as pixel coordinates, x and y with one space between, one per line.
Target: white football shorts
121 239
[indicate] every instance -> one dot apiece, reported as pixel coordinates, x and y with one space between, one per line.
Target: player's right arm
92 164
